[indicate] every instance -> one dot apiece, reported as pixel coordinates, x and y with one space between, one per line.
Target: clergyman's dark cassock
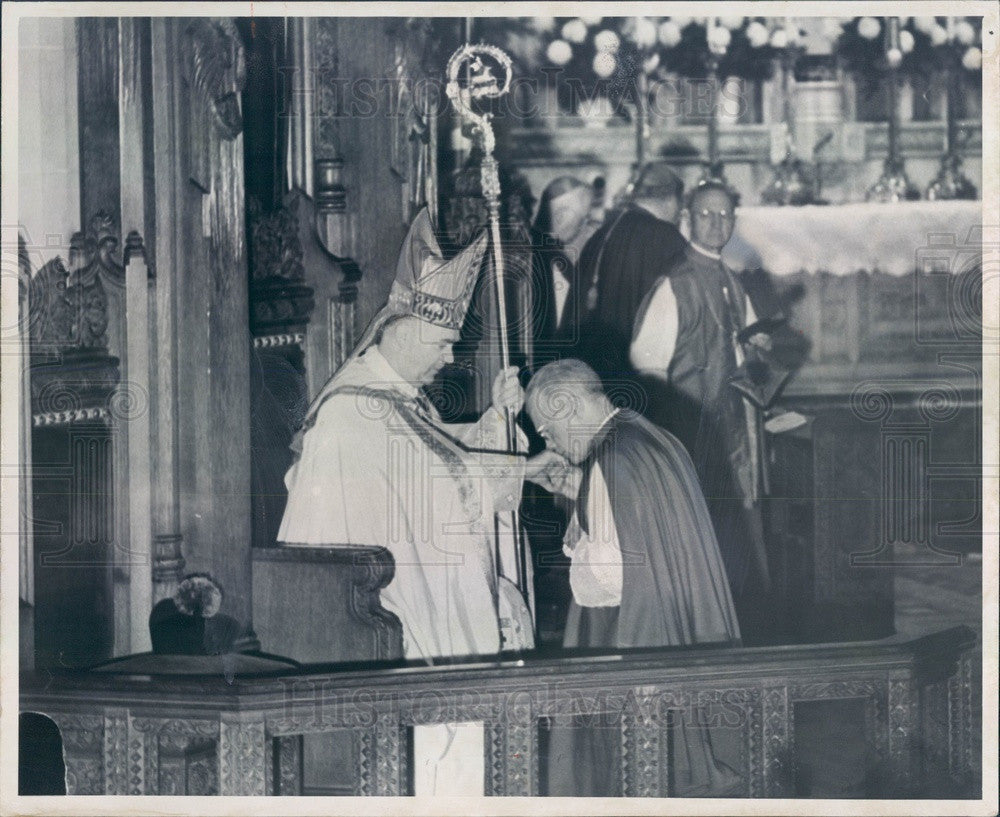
674 593
708 415
630 251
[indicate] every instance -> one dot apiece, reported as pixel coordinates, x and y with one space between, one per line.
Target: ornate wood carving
390 756
241 757
903 737
202 773
381 753
80 387
171 755
963 760
213 57
755 760
289 775
116 751
645 760
83 739
364 750
643 689
63 314
83 775
512 755
279 301
136 764
777 742
168 564
278 341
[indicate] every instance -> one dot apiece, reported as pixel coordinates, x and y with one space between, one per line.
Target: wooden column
98 86
168 260
213 327
139 558
135 554
201 445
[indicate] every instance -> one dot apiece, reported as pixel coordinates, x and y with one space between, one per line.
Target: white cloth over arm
655 336
595 573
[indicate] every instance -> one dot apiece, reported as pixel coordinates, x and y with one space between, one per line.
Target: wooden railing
143 734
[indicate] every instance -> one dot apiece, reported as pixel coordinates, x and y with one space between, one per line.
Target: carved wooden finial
135 246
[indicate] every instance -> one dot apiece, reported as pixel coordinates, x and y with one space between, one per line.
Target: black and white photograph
415 408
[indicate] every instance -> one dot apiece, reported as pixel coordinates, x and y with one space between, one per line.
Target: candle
892 33
893 53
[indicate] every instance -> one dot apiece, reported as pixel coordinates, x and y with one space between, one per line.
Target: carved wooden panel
116 751
512 757
875 706
777 742
645 758
903 737
289 772
241 757
83 744
391 759
383 762
640 695
964 761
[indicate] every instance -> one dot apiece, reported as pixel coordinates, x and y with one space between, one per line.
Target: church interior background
210 211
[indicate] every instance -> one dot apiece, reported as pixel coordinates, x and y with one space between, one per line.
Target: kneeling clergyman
378 467
645 566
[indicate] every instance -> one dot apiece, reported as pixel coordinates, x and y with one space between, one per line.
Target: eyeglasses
722 215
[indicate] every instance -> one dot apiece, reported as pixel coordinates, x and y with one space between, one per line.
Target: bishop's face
431 351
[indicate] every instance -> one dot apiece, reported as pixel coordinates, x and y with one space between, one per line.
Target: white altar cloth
842 239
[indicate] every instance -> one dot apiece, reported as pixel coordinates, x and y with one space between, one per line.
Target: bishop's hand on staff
378 467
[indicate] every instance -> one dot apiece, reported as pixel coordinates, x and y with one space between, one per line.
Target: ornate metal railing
145 734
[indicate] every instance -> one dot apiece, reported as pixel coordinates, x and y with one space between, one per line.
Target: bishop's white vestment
379 468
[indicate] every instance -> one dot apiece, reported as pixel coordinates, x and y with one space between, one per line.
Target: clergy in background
635 246
378 467
685 341
645 565
561 228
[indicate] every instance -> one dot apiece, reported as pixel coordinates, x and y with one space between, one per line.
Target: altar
895 239
878 290
885 471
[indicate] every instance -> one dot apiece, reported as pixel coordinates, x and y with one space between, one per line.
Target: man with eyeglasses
685 343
